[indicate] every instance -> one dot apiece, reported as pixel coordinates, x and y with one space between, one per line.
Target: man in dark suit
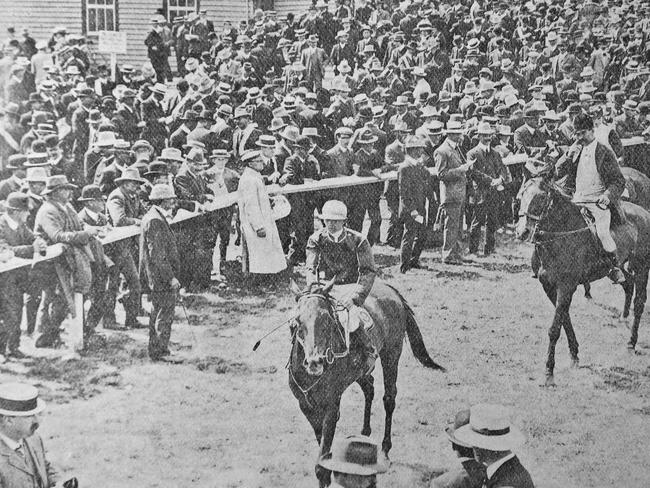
487 175
159 267
313 58
16 164
179 137
245 136
15 234
451 169
413 180
470 473
493 438
105 281
23 463
528 138
125 208
126 118
154 117
80 126
198 238
158 50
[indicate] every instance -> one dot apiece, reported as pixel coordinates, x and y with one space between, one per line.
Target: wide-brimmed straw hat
489 428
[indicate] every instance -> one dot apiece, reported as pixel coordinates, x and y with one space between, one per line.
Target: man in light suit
23 463
313 59
451 169
159 266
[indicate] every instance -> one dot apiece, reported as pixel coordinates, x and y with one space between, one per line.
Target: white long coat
262 255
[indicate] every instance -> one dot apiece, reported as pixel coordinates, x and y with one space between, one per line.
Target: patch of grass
72 373
218 365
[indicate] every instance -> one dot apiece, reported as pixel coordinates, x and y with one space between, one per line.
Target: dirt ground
226 418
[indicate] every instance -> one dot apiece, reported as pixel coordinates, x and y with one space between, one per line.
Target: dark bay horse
322 367
570 255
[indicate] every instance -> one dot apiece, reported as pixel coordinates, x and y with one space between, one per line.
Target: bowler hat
16 161
302 142
157 168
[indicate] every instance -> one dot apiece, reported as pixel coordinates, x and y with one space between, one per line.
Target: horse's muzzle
314 366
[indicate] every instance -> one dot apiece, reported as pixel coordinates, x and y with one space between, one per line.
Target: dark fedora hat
157 168
16 161
17 201
356 455
57 182
90 192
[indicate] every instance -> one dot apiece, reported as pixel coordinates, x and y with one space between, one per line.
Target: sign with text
112 42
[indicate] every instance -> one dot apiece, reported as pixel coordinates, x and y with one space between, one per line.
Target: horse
322 365
570 255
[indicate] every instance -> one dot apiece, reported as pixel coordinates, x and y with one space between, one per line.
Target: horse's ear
328 287
295 289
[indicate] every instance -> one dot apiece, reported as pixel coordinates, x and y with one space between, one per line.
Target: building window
180 8
100 15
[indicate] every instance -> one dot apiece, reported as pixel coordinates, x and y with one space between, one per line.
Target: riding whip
257 344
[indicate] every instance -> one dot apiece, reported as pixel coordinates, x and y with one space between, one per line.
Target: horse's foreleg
628 288
367 386
562 304
329 427
389 367
549 288
640 283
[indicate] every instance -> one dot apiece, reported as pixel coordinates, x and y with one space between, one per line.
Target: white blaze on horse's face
531 198
312 333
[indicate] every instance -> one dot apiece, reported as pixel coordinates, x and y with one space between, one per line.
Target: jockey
345 254
598 184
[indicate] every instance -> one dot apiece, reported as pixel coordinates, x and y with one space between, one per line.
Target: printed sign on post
112 42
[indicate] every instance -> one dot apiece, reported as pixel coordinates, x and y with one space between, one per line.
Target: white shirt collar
12 444
13 224
492 468
452 143
337 236
483 146
530 129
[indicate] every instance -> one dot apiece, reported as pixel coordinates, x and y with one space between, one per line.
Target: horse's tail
415 336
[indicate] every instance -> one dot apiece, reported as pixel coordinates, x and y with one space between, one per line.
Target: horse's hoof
575 363
550 381
385 460
631 350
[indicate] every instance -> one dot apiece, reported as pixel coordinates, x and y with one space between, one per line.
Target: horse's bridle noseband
333 307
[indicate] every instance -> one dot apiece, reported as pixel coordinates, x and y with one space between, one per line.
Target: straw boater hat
19 400
356 455
489 428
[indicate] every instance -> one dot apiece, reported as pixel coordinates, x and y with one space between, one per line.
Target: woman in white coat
261 246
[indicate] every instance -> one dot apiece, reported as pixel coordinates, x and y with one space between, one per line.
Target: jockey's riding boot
369 351
615 274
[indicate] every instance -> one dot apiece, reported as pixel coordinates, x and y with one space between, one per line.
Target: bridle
536 232
330 356
333 307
